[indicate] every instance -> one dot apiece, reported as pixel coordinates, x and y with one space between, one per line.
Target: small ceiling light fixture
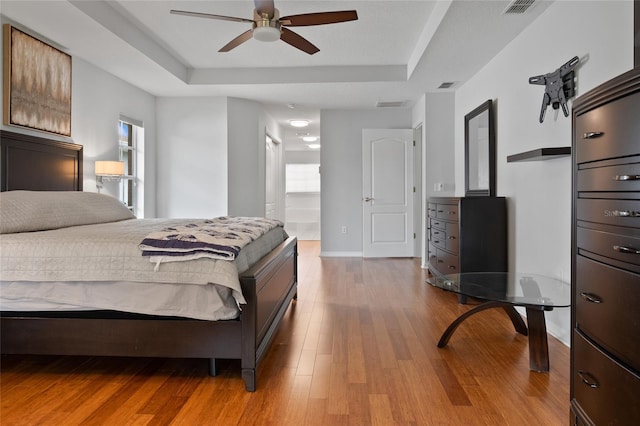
266 33
309 138
299 123
314 145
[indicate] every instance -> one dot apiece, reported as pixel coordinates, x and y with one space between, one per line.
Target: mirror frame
491 157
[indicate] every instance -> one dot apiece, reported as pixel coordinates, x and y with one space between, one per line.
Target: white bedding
205 302
102 268
67 250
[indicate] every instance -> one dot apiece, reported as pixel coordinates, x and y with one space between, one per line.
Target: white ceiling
396 51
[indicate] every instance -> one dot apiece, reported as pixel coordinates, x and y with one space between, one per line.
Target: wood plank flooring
358 347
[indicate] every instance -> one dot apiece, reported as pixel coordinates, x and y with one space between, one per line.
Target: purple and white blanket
219 238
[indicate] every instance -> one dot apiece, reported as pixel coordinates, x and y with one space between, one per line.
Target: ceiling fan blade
265 6
298 41
209 16
237 41
319 18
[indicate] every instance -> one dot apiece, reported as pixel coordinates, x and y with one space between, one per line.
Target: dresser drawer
445 263
607 304
447 211
605 390
609 211
431 209
608 131
433 254
438 237
438 224
612 245
452 243
611 178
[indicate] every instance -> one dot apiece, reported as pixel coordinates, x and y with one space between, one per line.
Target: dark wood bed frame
269 286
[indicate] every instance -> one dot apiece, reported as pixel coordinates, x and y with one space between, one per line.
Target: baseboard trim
341 254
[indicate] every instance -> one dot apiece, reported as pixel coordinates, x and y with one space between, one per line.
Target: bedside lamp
108 170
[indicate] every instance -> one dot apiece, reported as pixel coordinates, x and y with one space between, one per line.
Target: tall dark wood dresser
467 234
605 270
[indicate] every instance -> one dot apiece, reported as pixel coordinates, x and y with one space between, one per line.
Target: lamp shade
109 168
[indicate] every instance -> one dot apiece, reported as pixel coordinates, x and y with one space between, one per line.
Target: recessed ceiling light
314 145
309 138
299 123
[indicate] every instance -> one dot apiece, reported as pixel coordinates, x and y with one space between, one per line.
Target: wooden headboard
39 164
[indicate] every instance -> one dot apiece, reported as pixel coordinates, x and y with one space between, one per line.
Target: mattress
99 266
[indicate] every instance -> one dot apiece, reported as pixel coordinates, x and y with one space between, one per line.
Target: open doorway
303 200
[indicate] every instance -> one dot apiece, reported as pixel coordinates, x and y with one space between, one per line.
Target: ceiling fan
267 25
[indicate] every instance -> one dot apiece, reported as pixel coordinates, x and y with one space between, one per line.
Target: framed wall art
37 84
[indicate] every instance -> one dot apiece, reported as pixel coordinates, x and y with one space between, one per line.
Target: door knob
368 199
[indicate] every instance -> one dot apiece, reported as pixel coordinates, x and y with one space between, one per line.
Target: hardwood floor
358 347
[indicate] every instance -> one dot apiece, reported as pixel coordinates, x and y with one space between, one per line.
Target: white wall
302 157
539 193
248 125
436 111
192 157
341 173
439 143
98 100
211 159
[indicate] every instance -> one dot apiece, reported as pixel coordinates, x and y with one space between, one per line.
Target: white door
387 192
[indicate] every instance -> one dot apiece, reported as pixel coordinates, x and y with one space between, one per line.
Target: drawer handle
592 135
452 267
440 211
452 212
433 256
436 241
436 232
588 379
626 177
622 213
452 237
591 298
623 249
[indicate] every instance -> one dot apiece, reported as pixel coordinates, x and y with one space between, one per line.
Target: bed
267 285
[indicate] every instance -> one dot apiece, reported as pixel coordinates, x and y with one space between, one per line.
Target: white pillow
24 211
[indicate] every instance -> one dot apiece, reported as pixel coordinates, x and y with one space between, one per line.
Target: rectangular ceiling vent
446 85
518 7
391 104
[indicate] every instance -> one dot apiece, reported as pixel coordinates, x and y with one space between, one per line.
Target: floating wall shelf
540 154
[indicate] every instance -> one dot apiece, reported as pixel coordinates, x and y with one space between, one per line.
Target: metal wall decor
560 87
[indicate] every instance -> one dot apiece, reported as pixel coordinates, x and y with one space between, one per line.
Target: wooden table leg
538 344
516 319
537 331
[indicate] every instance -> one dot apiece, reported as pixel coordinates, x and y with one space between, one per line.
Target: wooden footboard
269 286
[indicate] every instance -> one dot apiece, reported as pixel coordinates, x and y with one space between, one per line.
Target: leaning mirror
480 151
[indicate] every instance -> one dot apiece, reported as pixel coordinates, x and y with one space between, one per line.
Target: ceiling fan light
266 33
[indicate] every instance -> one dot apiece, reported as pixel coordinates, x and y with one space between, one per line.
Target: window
302 177
131 141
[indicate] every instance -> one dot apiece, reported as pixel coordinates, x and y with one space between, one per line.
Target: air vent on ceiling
391 104
518 7
446 84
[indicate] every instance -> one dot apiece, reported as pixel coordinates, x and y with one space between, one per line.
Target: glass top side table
506 290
